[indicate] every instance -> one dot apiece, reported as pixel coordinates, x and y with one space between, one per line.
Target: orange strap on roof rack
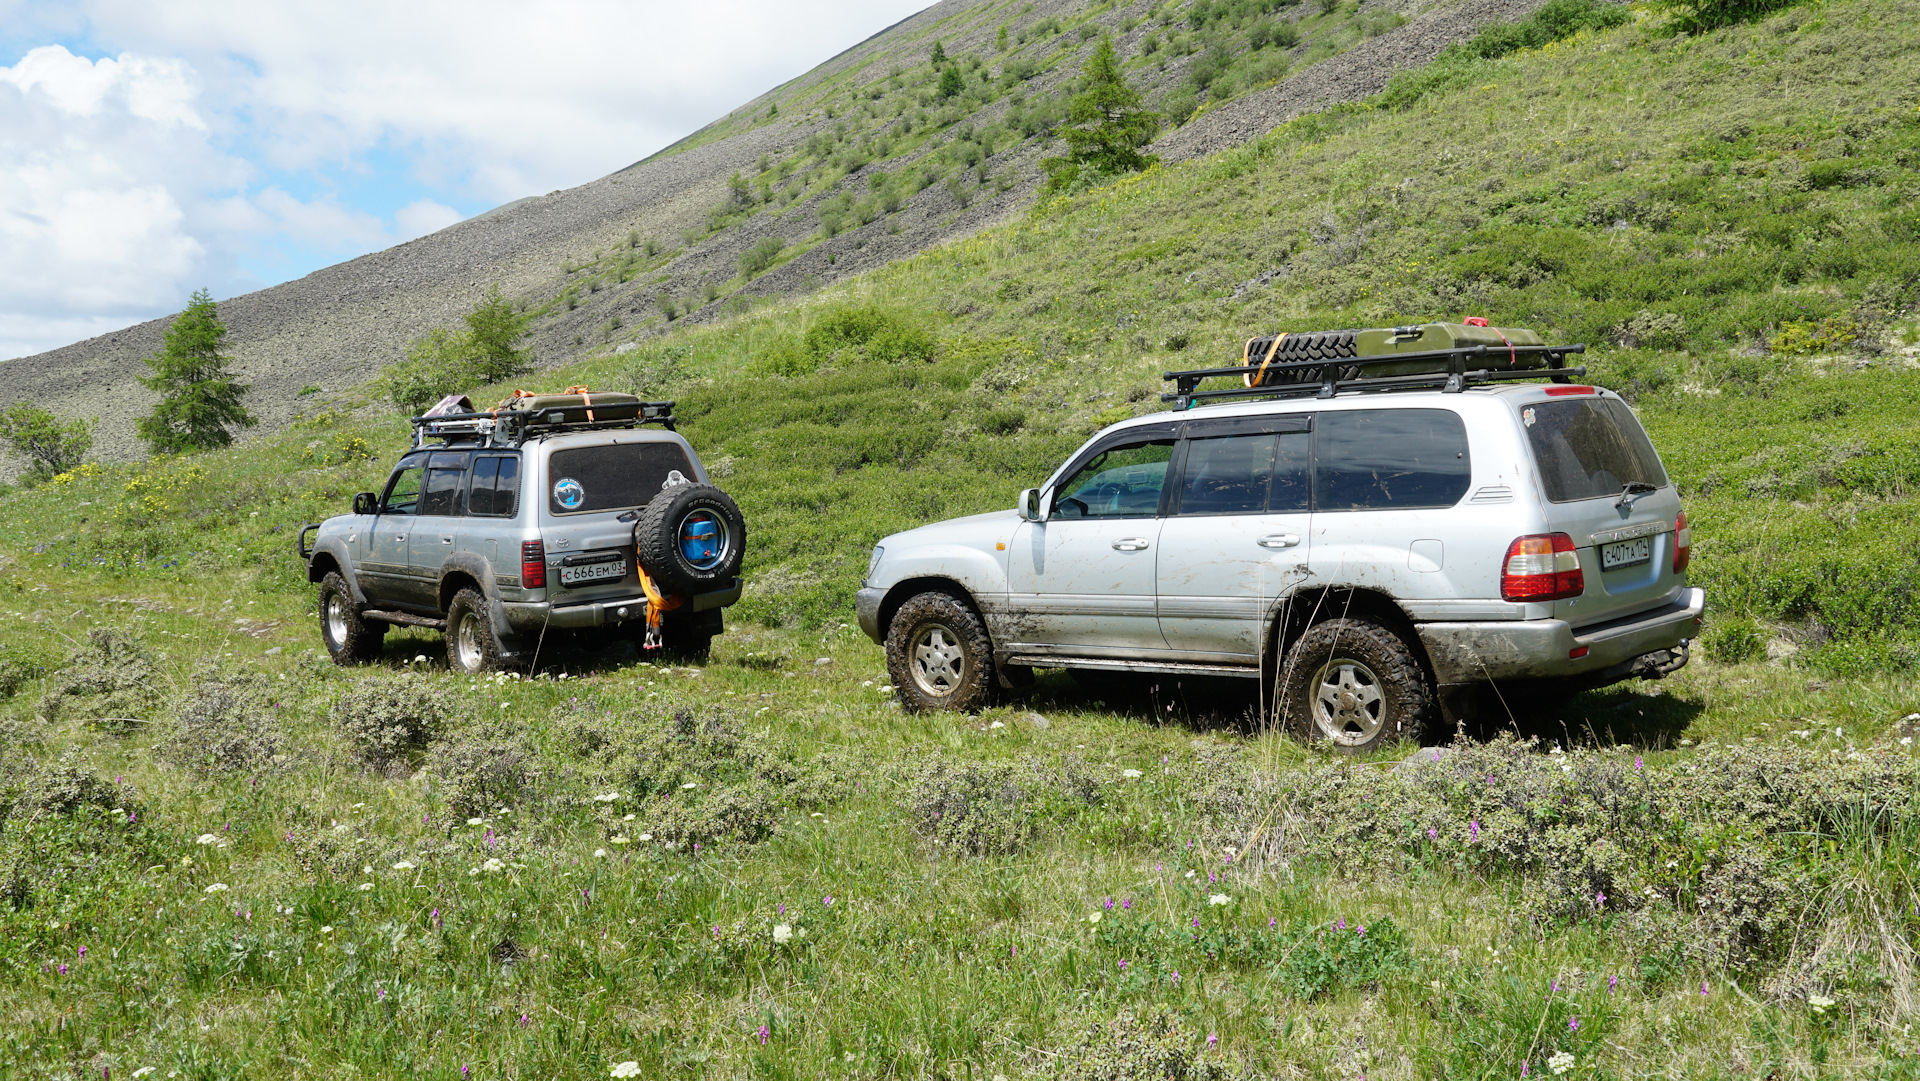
586 398
1254 379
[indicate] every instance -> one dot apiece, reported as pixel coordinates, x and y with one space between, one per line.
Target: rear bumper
529 617
1542 648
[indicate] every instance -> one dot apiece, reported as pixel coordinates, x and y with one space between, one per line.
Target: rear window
1389 459
612 477
1589 447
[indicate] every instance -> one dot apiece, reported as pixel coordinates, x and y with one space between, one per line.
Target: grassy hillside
219 856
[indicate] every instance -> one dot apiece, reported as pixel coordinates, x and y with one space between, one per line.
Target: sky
149 149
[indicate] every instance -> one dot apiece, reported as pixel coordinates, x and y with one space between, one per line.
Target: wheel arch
1304 608
908 588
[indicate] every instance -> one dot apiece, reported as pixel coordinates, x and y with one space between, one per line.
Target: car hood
955 529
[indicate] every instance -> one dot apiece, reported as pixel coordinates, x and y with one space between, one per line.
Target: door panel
387 575
1083 580
1236 542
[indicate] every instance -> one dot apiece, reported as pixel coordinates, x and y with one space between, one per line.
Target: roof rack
1325 377
512 427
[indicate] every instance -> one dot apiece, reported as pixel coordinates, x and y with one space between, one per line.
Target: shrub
224 724
483 768
877 333
1733 640
1152 1045
389 721
445 361
50 446
17 669
995 808
1701 16
109 681
761 255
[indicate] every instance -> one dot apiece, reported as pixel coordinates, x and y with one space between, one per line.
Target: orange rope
656 604
1254 379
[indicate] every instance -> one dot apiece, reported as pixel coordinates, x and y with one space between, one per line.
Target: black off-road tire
939 655
472 646
1355 684
348 638
656 536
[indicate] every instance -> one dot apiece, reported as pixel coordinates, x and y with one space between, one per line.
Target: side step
405 619
1167 668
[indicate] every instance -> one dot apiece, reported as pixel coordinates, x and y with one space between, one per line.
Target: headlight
875 560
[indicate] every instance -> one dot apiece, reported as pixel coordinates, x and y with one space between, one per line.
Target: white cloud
423 216
224 134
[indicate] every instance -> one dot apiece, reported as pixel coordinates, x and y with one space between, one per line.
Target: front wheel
1355 684
472 647
939 656
349 639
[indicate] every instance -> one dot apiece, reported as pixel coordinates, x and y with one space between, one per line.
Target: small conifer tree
1108 124
949 81
200 400
939 53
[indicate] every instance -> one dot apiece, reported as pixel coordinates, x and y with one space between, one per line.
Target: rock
1038 721
624 348
822 662
1422 758
275 651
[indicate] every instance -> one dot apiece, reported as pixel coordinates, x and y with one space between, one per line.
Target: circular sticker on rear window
568 493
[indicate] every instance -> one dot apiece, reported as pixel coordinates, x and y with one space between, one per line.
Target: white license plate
1626 553
593 572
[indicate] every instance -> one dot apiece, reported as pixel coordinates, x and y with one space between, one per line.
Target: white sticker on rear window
568 493
1526 416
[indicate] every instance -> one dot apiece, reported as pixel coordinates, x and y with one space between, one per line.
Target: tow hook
1661 663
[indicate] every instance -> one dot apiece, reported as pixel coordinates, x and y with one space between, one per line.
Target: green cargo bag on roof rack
577 405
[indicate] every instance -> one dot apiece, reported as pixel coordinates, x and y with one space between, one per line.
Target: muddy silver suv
1381 530
553 514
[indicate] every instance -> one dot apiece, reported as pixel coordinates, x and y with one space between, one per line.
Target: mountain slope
601 262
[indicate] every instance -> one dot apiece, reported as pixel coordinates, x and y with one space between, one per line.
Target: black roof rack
511 427
1328 376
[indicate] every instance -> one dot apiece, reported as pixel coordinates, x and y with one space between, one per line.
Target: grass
1747 339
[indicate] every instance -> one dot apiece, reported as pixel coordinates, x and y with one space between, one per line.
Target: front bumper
866 608
1542 648
530 617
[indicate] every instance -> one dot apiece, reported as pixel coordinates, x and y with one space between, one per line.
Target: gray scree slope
337 327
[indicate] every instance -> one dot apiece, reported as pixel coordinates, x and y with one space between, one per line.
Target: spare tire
690 538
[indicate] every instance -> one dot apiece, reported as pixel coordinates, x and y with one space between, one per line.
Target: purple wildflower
1127 904
1573 1024
1109 904
763 1034
1473 829
1213 1039
1600 898
1553 986
525 1020
83 951
1433 834
1636 762
63 970
1123 964
1703 989
1176 975
1612 983
827 900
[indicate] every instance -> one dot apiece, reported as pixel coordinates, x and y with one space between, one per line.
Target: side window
446 475
1227 475
1292 476
403 491
1120 482
496 487
1389 459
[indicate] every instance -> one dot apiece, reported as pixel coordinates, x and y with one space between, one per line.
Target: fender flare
335 550
473 566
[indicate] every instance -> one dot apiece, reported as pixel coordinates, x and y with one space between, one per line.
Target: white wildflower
364 887
1129 774
645 837
493 866
1906 741
206 839
143 1071
600 853
1819 1002
217 887
1190 874
620 839
628 818
690 784
627 1069
1219 899
607 797
1093 917
782 934
998 724
403 865
1561 1062
476 821
327 930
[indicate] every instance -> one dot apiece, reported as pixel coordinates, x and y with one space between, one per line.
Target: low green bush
993 808
109 681
225 723
388 721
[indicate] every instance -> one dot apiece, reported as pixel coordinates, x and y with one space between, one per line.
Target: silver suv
559 514
1377 547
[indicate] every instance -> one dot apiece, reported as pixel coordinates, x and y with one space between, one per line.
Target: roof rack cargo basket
525 415
1450 356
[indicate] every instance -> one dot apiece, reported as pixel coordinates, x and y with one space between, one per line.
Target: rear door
1236 536
588 489
1588 447
1385 482
1083 580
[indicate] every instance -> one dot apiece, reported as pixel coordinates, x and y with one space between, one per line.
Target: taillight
1563 391
1682 544
1543 567
533 565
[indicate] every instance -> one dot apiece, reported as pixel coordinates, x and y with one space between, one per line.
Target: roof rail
1327 377
511 427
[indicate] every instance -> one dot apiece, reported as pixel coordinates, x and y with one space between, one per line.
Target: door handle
1279 540
1130 544
399 536
444 539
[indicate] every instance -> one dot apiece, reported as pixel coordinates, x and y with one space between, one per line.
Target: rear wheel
1355 684
349 639
472 647
939 656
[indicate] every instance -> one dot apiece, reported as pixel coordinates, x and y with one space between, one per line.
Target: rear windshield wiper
1634 489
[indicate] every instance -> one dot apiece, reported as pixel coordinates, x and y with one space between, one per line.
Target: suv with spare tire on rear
1387 528
551 514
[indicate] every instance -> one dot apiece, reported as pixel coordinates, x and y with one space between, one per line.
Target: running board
1164 668
404 619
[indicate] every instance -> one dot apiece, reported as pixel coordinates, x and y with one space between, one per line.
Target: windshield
1589 447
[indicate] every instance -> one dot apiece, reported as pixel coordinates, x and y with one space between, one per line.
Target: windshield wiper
1633 490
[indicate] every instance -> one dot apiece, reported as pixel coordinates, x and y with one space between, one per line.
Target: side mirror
366 503
1029 506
